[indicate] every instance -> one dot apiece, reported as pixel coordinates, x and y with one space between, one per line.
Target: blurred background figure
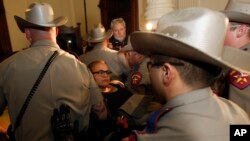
119 38
98 40
137 81
233 84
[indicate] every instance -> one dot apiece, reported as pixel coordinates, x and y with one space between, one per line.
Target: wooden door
5 45
126 9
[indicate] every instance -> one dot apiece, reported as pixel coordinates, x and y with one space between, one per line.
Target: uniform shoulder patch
136 78
238 79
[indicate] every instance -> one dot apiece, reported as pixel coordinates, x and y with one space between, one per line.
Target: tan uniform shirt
67 81
199 115
239 88
116 62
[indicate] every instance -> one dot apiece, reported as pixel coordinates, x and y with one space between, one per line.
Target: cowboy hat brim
22 23
154 43
107 35
238 17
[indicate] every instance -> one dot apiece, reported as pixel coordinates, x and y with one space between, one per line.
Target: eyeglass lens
102 72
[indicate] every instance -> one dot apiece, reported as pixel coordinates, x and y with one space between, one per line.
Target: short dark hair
92 64
192 72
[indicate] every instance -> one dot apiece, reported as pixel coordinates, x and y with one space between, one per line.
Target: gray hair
116 21
235 25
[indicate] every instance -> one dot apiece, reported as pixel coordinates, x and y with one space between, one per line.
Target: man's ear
28 34
57 31
168 73
242 30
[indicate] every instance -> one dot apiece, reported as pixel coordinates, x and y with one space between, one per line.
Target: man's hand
117 82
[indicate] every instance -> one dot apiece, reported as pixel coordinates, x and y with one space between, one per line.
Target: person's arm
100 110
118 82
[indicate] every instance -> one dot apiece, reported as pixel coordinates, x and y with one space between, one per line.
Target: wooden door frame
5 44
105 7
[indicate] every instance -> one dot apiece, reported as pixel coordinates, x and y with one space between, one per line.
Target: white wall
17 39
93 13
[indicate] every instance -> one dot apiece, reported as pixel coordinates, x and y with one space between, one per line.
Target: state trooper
182 67
234 84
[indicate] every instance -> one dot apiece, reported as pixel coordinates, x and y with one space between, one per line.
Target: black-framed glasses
159 64
103 72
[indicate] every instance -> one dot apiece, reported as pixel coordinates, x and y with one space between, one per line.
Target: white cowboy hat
98 34
39 15
195 34
238 11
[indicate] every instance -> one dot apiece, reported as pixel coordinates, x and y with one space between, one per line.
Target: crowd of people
186 81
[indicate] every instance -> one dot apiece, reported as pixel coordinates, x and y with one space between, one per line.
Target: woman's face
101 74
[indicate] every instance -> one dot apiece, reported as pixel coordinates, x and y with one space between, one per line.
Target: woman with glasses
115 94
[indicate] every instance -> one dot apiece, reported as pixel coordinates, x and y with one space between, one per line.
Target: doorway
126 9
